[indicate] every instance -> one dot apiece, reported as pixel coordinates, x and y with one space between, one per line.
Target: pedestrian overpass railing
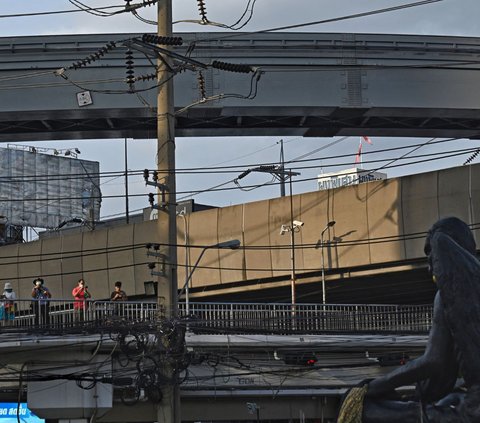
307 318
226 317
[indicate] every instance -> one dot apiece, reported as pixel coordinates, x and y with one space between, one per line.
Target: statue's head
456 229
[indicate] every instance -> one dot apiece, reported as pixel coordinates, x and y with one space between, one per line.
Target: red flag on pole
367 140
358 156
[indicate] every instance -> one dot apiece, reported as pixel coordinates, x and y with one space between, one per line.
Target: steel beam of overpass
312 84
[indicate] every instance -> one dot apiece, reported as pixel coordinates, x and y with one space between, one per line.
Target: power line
221 186
266 68
332 20
237 168
66 255
59 12
76 272
234 27
112 250
297 180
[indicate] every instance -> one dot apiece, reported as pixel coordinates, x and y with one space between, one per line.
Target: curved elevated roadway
313 84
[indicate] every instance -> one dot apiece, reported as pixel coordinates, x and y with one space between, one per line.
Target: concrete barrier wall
371 219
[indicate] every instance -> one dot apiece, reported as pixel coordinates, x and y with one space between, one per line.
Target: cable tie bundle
232 67
93 57
167 41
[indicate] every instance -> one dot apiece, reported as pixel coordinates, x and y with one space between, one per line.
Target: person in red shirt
80 294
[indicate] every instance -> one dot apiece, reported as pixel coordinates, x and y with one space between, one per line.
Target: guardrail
227 317
68 313
308 318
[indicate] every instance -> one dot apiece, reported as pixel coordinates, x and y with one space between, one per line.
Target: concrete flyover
313 84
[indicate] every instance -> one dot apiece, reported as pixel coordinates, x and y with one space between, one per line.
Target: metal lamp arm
191 272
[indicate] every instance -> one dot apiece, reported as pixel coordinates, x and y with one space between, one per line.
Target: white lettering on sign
348 177
246 381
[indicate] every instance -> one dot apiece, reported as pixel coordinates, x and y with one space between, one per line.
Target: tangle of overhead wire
251 188
125 91
265 69
235 26
247 9
142 19
331 20
189 194
250 96
224 169
217 188
93 11
57 12
301 159
221 186
136 340
290 161
100 13
237 168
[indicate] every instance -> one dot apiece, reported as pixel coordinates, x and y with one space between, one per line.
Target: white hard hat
8 285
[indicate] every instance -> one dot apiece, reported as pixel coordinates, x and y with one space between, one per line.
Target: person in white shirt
8 305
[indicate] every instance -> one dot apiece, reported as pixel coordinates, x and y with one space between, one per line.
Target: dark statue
453 348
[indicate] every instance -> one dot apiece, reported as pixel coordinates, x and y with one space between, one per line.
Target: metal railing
68 313
308 318
228 317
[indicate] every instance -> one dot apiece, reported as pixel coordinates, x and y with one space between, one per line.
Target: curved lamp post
329 225
233 244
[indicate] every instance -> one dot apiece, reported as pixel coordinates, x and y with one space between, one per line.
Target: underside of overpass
251 122
384 285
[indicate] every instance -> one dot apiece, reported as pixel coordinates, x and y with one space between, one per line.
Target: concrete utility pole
169 410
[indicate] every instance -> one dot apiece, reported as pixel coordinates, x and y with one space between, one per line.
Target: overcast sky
447 17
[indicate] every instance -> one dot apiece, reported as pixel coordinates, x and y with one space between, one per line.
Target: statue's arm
435 359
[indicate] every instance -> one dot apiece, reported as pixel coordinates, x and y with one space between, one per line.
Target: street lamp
294 227
233 244
329 225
